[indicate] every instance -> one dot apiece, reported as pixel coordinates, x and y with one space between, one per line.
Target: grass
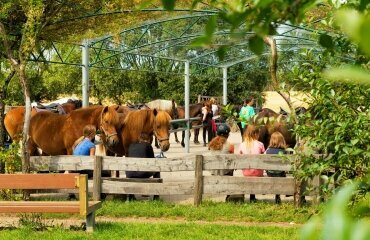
158 216
210 211
158 231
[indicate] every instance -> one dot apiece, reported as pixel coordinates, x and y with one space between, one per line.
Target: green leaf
349 74
221 52
256 44
169 4
211 26
326 41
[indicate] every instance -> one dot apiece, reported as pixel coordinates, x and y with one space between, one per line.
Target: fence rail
198 185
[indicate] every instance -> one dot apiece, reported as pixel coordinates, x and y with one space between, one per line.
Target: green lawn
158 231
188 226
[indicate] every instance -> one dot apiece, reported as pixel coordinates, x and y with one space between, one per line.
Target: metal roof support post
224 86
85 73
187 100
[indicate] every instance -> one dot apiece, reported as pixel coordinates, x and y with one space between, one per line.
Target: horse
170 106
55 134
195 110
269 122
143 121
14 119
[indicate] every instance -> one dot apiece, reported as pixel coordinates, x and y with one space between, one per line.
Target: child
277 145
221 145
251 145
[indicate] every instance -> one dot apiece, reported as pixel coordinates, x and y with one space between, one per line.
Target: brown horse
143 121
195 110
14 119
55 134
269 122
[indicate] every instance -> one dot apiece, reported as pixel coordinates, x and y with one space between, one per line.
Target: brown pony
195 110
14 119
148 121
269 122
55 134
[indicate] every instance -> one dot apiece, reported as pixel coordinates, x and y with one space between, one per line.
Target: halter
160 139
102 128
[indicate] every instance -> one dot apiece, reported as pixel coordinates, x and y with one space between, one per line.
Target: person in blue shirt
246 112
84 146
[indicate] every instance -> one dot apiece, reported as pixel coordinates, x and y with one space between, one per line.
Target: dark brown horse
143 121
269 122
55 134
195 110
14 119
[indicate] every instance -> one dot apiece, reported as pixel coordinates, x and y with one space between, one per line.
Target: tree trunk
27 117
275 82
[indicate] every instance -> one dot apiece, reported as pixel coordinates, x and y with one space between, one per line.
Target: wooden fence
202 183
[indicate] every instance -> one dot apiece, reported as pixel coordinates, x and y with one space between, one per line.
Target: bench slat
46 207
38 181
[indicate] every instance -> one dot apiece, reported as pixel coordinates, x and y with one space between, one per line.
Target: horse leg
176 139
196 135
183 137
32 148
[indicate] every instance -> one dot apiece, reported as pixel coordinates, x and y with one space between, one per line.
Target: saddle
54 107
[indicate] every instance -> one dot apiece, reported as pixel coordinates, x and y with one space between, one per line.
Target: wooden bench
50 181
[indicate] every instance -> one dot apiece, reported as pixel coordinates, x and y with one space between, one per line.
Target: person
251 145
219 144
141 149
246 112
84 146
277 145
214 107
207 123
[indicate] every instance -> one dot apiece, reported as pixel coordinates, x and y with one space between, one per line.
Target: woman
277 145
246 112
207 123
251 145
84 146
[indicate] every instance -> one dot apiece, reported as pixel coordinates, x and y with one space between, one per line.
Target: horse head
109 120
161 128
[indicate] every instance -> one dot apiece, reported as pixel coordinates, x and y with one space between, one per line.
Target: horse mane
136 120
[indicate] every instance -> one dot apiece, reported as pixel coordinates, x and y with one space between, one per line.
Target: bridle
103 130
160 139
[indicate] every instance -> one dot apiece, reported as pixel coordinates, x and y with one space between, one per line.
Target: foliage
10 159
341 220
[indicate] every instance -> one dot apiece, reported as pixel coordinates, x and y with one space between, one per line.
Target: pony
14 119
55 134
195 110
170 106
269 122
144 121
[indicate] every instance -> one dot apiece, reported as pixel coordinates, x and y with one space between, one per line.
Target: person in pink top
251 145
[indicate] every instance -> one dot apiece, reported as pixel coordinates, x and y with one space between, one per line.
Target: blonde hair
88 131
277 140
250 134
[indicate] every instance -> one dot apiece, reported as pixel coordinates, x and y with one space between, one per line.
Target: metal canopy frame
165 45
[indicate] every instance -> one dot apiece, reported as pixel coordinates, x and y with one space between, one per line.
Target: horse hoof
183 144
196 143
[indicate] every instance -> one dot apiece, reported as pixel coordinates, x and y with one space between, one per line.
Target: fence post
198 181
97 178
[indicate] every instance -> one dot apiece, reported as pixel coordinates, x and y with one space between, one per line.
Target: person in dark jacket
277 145
141 149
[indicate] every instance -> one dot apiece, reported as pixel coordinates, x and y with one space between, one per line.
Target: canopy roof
162 45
